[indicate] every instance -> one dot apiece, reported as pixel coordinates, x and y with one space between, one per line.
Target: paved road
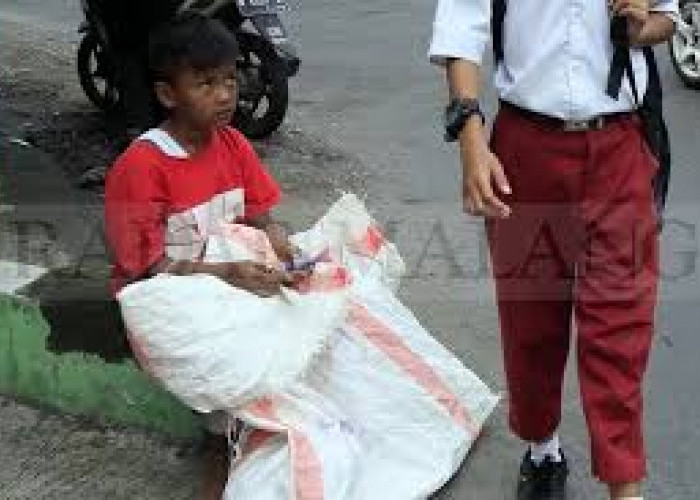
365 86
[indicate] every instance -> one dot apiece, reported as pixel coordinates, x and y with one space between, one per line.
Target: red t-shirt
160 201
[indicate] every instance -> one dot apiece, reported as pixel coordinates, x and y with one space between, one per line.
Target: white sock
549 448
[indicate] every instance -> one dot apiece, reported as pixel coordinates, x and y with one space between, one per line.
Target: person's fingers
277 278
468 204
468 196
265 292
301 274
485 202
269 288
618 5
499 176
636 9
492 205
288 279
476 202
637 13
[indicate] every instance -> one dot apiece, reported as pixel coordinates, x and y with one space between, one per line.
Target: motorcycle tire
261 77
688 75
93 65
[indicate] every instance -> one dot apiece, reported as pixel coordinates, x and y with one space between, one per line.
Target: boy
175 183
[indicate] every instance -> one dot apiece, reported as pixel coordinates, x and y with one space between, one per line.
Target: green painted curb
81 384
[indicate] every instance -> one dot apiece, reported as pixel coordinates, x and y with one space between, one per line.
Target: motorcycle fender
271 29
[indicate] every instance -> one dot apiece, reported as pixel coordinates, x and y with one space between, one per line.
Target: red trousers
581 244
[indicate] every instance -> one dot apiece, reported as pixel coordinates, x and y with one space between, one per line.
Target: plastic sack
373 407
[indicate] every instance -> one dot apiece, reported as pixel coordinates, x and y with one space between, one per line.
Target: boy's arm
262 193
251 276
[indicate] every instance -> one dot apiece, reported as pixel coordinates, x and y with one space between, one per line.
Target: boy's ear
165 94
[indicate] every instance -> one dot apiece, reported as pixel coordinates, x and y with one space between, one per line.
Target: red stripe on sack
397 350
371 242
307 471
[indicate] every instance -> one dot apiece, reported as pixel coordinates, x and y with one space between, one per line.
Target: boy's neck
191 139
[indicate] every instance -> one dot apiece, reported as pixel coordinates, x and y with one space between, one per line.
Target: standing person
565 185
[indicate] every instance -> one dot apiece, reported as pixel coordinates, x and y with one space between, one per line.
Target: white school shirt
557 53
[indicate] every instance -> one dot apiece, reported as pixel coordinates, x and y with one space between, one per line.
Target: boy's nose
225 93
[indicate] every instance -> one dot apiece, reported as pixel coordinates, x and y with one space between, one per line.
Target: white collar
165 142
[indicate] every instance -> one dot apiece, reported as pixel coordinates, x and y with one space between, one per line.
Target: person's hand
637 13
300 277
284 249
257 278
481 173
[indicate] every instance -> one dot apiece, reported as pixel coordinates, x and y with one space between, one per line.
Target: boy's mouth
225 115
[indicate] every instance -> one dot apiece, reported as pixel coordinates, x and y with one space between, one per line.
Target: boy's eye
206 82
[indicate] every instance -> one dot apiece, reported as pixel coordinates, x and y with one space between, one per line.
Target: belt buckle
596 123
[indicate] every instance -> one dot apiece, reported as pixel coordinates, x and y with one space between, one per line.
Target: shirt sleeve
461 29
260 189
135 201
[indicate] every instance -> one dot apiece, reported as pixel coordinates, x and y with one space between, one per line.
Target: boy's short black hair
190 40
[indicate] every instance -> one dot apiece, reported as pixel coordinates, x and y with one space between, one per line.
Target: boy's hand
257 278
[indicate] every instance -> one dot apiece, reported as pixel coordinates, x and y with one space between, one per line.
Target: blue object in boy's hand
301 263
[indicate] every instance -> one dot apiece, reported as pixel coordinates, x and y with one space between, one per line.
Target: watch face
452 114
456 114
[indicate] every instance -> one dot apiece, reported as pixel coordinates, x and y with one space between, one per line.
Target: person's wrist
459 114
473 128
219 270
472 135
472 143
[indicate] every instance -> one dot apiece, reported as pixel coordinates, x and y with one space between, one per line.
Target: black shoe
546 481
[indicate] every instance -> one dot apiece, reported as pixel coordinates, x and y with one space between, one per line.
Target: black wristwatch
457 114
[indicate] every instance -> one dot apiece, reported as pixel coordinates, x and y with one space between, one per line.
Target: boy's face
202 98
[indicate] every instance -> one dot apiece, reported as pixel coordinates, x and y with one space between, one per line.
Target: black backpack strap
498 16
656 131
650 108
621 61
654 94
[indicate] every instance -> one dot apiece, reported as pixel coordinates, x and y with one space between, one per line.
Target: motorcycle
685 44
265 63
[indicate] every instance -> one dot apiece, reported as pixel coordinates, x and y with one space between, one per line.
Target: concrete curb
79 383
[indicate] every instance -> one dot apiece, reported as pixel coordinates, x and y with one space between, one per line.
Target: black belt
596 123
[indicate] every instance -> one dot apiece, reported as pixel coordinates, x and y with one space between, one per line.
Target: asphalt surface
366 89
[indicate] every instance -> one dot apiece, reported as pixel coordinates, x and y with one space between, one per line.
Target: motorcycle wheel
96 74
685 45
263 90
